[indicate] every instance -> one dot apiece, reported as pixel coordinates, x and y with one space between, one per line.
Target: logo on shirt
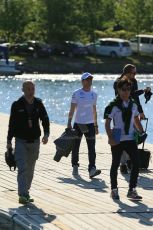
82 95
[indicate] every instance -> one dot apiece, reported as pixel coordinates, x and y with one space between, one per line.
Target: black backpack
9 159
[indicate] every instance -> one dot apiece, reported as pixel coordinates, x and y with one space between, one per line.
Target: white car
113 47
142 43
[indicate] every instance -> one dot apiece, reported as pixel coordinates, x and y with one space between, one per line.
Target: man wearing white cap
84 104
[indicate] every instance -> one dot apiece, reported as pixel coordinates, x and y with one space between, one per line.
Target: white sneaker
94 172
75 171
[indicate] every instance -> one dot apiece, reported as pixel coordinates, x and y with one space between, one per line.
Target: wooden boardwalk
65 202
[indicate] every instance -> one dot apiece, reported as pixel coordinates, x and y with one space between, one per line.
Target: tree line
77 20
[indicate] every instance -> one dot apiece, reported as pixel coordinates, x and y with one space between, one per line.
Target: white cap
86 75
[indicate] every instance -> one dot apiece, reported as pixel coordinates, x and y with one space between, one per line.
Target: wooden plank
76 203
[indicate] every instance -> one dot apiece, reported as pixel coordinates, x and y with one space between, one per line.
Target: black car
69 49
31 48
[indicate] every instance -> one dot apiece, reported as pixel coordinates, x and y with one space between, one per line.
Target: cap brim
88 77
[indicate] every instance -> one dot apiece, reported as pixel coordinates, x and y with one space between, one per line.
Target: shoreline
102 65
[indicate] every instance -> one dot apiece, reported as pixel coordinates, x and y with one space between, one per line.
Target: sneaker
134 195
23 200
114 194
94 172
123 169
75 171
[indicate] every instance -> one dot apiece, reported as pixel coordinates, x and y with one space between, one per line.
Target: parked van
142 43
113 47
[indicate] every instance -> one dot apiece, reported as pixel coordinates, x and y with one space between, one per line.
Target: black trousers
90 139
131 148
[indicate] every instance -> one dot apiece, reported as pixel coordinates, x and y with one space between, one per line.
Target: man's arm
141 91
95 118
71 113
11 126
137 92
45 123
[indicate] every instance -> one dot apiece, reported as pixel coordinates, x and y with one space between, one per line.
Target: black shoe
123 169
75 171
133 195
114 194
94 172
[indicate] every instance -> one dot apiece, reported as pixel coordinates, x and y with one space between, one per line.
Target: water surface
56 91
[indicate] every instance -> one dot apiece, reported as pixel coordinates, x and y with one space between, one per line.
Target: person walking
130 71
124 113
24 126
84 104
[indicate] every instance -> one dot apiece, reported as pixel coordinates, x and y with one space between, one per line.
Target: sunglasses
126 89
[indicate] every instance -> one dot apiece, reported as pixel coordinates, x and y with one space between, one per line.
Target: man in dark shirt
24 126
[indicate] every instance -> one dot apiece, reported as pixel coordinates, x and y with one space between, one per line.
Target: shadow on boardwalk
145 181
31 216
97 184
140 211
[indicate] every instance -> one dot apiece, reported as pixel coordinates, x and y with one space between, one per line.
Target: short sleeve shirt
116 115
84 100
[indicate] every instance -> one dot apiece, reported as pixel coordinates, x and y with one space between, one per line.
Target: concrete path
68 203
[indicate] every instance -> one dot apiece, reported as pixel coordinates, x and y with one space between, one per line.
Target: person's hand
142 116
147 89
9 146
45 140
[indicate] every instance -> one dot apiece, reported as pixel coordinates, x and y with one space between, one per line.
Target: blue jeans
131 149
90 139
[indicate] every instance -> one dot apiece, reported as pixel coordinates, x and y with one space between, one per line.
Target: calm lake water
56 91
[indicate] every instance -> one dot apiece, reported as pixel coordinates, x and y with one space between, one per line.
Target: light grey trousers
26 155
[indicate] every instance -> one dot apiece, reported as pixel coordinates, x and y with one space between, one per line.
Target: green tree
83 20
36 28
91 17
14 17
61 20
134 15
148 17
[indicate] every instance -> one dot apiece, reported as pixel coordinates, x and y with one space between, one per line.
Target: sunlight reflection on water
56 91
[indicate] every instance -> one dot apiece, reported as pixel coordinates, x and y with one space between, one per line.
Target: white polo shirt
116 115
84 100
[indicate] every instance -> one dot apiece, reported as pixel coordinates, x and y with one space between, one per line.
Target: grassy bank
62 64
